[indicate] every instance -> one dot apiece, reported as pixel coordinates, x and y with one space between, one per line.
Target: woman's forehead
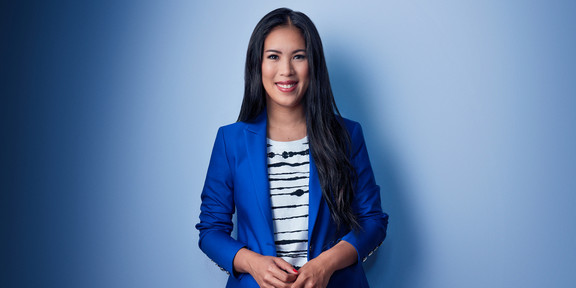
286 37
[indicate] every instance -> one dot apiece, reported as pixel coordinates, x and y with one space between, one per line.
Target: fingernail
295 271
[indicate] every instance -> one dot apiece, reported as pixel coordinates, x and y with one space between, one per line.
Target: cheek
303 73
267 71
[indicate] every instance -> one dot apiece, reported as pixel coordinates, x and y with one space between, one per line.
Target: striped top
288 173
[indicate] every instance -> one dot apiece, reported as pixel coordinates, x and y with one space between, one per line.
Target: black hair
329 139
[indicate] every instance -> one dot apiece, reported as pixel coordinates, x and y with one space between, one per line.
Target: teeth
286 86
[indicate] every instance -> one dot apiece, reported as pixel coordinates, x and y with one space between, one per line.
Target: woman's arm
217 209
366 204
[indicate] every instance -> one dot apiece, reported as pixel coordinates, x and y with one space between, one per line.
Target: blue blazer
237 182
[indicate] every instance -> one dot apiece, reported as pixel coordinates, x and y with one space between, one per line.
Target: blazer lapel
255 136
314 197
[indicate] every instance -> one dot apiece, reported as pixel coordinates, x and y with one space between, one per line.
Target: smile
286 86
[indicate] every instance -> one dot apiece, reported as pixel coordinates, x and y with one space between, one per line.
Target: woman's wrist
328 262
243 259
338 257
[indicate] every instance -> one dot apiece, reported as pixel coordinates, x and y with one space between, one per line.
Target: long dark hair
329 140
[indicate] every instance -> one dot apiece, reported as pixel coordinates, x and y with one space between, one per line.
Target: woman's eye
273 57
299 57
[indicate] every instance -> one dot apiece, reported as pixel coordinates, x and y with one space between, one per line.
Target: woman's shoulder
256 124
237 128
233 126
350 125
232 130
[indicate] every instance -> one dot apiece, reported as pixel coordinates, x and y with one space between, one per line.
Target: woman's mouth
286 86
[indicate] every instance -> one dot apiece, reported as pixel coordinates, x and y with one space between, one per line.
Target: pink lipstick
286 86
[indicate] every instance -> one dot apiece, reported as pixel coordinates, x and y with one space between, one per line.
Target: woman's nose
286 68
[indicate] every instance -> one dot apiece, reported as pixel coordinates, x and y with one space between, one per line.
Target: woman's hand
274 272
268 271
316 273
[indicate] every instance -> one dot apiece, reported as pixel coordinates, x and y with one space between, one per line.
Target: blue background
109 112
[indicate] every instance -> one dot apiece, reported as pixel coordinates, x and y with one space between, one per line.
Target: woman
295 172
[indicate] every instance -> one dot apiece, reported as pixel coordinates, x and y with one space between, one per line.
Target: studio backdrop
110 110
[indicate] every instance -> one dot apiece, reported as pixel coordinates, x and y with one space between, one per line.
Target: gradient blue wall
468 108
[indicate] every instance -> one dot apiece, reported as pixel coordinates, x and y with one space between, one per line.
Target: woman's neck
286 124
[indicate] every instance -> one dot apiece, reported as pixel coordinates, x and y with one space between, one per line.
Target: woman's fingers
273 272
285 271
312 274
285 266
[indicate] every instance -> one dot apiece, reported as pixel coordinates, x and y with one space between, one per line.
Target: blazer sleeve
366 204
217 209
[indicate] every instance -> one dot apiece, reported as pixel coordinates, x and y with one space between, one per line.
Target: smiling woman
309 217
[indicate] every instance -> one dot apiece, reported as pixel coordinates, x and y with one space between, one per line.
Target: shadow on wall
397 260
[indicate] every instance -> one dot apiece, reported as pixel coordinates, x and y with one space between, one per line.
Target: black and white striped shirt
288 173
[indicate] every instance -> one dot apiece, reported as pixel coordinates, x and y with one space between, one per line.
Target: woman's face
285 68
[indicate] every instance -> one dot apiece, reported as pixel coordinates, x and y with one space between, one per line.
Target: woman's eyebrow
279 52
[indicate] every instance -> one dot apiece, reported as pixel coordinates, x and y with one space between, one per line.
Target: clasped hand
274 272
